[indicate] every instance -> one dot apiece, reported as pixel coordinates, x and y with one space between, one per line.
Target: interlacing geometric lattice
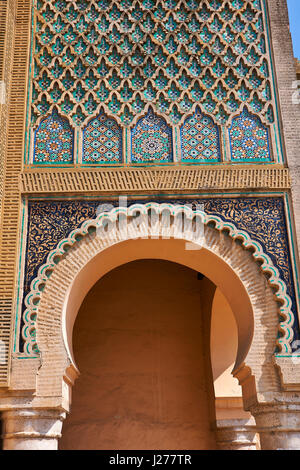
200 140
249 139
54 140
151 140
102 141
173 53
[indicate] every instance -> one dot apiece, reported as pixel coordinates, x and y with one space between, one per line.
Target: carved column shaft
278 426
31 429
236 435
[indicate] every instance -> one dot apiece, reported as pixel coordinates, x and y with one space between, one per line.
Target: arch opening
142 341
226 264
173 250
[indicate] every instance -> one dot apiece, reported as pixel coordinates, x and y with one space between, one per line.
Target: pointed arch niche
151 140
53 141
102 141
200 139
249 139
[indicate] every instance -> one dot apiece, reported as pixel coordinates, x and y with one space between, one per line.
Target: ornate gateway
149 225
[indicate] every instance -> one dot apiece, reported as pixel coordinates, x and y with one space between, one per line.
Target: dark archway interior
145 380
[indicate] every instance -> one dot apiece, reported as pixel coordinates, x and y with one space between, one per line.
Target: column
278 425
32 429
236 434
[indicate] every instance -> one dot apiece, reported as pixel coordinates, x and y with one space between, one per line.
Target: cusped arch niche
53 141
151 140
102 141
220 251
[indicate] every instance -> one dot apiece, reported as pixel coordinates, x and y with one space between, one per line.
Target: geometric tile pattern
151 140
200 141
53 143
126 54
249 139
102 141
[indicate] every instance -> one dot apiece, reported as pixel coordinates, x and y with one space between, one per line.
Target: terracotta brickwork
15 74
34 182
4 304
3 21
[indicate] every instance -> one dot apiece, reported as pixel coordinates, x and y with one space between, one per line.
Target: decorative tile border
287 318
262 218
152 179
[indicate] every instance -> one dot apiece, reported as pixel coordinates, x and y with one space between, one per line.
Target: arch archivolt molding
152 220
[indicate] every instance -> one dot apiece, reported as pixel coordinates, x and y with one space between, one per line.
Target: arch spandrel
80 260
